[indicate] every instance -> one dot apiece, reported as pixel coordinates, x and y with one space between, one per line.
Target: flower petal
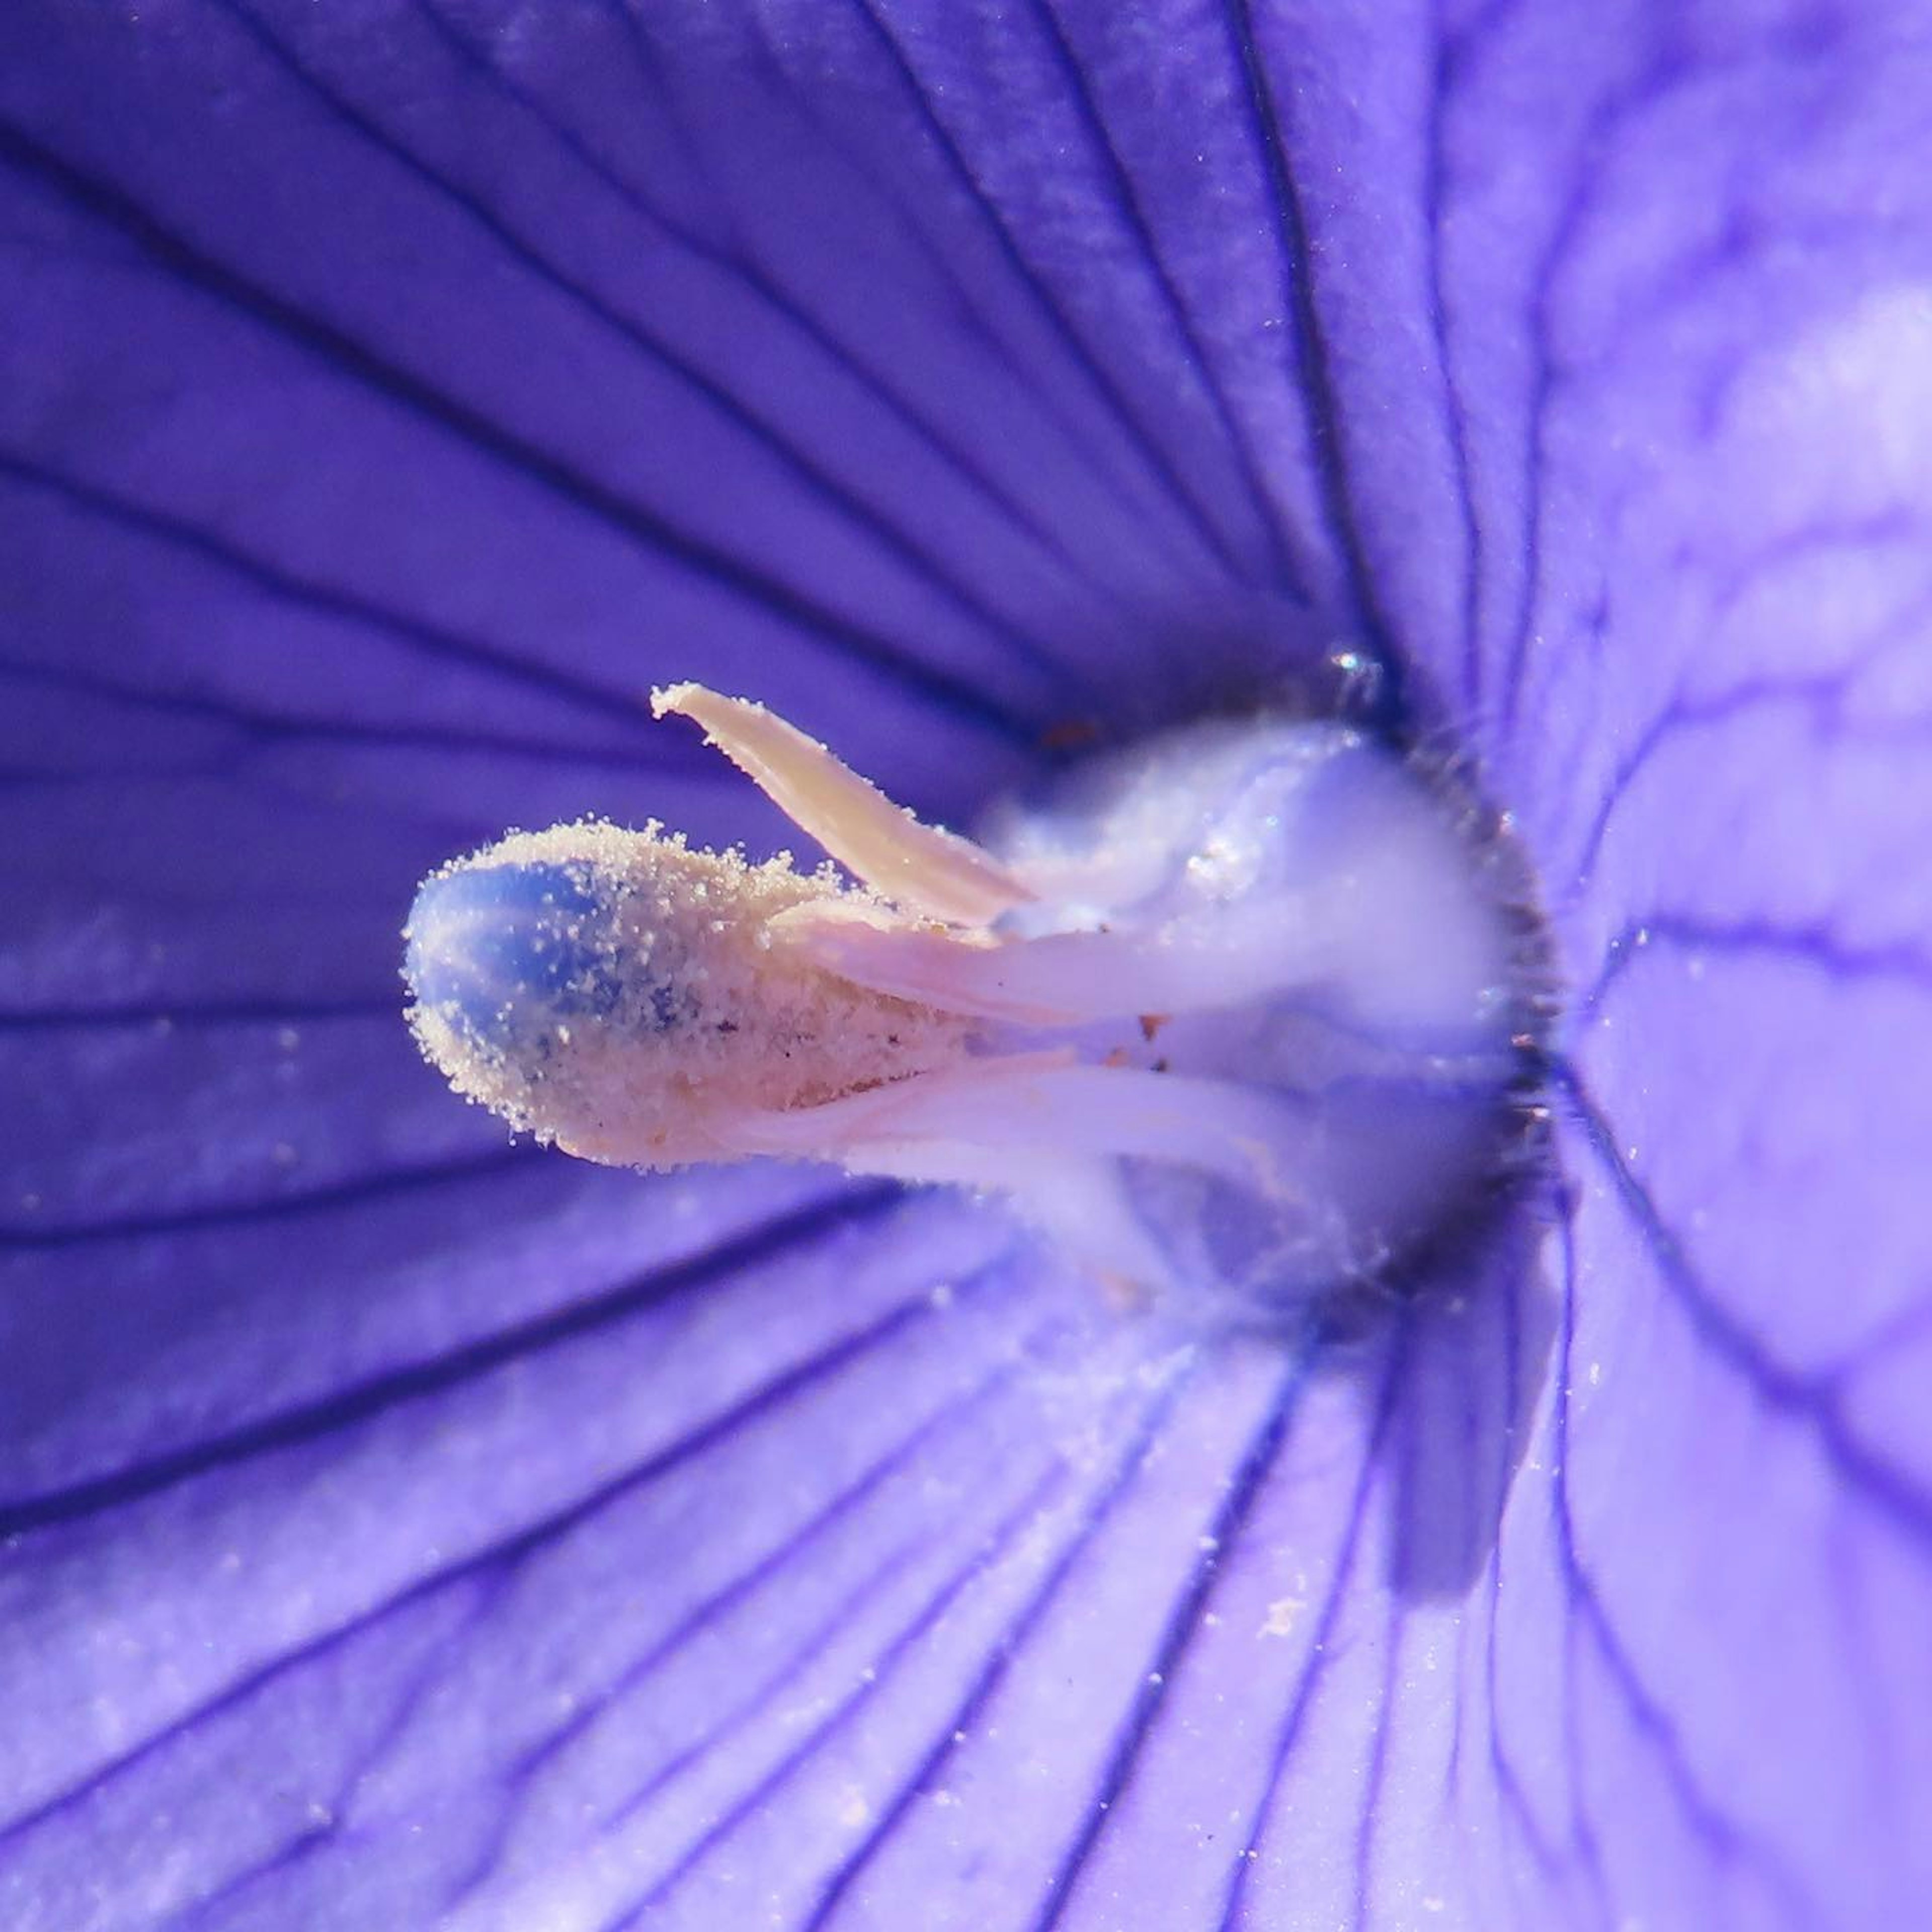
393 1527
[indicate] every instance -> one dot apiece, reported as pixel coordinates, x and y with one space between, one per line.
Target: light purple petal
397 1528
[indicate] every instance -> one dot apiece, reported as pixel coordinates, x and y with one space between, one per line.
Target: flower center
1245 1008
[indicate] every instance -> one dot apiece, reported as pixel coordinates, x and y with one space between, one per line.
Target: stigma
1242 1007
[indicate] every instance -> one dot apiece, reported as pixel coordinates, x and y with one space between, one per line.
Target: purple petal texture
401 1529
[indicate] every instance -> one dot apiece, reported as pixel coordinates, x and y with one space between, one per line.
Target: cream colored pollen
718 1020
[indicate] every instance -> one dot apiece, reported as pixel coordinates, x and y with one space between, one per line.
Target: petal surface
399 1527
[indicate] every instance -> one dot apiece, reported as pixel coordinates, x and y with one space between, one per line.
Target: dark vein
1320 1653
1502 1768
414 1382
1002 1655
1288 575
750 275
321 1828
504 1555
1729 1840
1241 1496
631 1680
969 308
748 1707
1823 695
871 515
1158 458
1448 56
1814 946
356 1191
1583 1840
272 728
998 1543
1576 208
1314 371
1813 1400
105 201
1368 1803
432 640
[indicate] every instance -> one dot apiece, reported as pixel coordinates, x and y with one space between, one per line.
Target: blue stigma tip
498 952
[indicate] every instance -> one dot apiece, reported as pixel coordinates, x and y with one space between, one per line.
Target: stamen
618 993
1241 1007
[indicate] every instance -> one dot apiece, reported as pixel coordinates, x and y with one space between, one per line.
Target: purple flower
398 1527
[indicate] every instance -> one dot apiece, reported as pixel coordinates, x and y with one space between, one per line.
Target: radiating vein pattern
401 1527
